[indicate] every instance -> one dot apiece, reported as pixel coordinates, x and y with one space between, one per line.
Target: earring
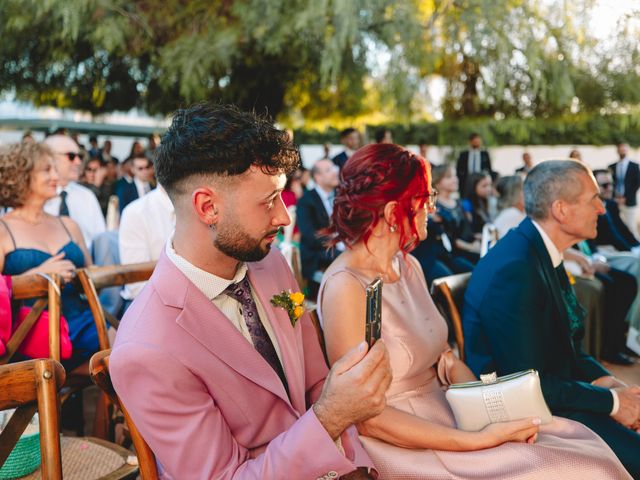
393 228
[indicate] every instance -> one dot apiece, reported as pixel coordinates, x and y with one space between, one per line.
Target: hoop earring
393 228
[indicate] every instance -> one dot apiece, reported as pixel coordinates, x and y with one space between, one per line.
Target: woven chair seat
85 458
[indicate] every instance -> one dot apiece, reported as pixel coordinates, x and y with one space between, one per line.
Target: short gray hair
550 181
509 189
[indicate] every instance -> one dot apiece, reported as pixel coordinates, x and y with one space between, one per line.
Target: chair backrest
99 367
46 289
296 266
448 295
95 278
27 387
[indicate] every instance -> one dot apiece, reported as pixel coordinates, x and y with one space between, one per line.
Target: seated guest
450 214
73 200
527 164
236 385
312 214
94 178
380 213
145 226
611 228
33 241
520 310
475 203
140 185
350 138
511 203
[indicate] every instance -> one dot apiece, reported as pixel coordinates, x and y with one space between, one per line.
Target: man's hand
609 381
355 388
629 412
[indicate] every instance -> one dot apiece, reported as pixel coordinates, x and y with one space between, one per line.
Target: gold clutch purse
496 399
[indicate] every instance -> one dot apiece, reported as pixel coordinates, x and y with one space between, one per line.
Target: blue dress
82 328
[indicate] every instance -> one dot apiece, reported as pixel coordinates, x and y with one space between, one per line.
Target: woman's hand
525 430
57 264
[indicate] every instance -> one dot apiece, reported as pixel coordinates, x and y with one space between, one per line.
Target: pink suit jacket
207 402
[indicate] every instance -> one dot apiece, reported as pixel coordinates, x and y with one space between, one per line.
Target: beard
236 243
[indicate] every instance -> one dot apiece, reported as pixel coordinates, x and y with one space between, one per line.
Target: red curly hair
374 176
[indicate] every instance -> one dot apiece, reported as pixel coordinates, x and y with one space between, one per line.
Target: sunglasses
606 185
70 155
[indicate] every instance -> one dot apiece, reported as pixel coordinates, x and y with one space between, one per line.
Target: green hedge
573 130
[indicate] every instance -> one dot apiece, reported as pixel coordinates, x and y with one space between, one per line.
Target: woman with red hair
380 213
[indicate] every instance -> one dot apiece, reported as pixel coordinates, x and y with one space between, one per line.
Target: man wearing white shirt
145 226
74 200
626 179
521 312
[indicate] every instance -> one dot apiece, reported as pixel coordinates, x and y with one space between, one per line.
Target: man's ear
558 211
206 204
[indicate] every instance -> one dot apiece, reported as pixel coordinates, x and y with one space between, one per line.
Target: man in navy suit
626 180
350 138
313 211
521 312
474 160
127 192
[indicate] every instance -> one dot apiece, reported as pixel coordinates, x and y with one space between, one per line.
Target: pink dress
416 335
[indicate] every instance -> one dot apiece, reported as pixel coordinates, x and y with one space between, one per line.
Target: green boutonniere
291 302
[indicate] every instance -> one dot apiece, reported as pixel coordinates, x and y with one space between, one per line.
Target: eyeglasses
430 199
70 155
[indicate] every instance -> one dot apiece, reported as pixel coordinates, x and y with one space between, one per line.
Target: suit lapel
322 212
550 276
264 287
210 327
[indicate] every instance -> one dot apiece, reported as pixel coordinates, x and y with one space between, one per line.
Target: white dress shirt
142 187
507 219
327 199
84 209
212 287
556 260
145 226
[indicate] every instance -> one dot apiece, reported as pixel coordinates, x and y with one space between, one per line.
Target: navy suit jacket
340 159
613 231
311 216
462 167
515 319
126 192
631 182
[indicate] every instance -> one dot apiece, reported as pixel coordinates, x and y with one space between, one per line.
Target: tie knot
240 291
63 194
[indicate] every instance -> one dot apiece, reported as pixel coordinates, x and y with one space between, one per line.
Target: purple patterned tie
241 292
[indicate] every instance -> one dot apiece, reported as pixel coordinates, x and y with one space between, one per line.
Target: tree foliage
307 61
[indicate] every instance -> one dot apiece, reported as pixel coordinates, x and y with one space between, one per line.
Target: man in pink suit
221 383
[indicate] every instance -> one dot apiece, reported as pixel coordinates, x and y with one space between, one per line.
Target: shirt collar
209 284
554 253
324 196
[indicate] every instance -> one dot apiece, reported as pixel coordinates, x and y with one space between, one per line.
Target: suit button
332 474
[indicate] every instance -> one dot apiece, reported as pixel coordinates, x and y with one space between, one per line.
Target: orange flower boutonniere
292 302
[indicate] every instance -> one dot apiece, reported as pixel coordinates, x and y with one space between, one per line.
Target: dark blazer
515 319
340 159
462 166
126 192
311 216
613 231
631 182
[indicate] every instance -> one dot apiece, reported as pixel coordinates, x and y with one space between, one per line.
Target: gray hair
509 189
550 181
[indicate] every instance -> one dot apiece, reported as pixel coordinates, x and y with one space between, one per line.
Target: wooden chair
30 386
448 295
91 280
99 366
34 384
46 290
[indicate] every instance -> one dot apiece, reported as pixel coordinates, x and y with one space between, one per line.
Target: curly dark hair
17 161
209 138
